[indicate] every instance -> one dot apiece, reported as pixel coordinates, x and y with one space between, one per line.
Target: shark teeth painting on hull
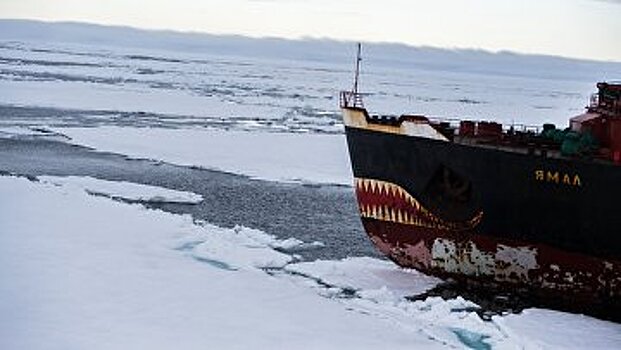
387 201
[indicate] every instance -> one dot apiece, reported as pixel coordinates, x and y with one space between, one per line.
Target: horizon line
303 39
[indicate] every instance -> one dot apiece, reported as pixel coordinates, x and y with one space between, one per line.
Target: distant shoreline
379 54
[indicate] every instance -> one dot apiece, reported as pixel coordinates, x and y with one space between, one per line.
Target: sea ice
24 131
237 248
82 271
378 288
289 157
85 272
366 275
123 189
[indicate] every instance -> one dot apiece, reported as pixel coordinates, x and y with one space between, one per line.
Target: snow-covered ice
295 245
234 249
85 272
366 274
289 157
25 132
124 190
558 330
378 288
13 131
285 86
82 271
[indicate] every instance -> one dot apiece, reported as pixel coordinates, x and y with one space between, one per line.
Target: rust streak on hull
583 278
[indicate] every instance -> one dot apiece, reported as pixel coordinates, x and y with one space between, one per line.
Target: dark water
311 213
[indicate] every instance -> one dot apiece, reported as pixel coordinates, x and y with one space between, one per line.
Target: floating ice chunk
367 274
286 157
294 244
436 308
381 295
24 131
240 247
124 190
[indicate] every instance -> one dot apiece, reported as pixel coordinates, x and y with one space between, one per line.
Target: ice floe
289 157
233 249
379 288
17 131
124 190
366 275
83 271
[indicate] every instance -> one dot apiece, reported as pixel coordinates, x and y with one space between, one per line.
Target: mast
353 99
358 59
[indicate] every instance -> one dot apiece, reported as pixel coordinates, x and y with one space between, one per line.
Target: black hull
450 209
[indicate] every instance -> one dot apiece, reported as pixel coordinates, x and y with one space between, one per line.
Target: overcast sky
571 28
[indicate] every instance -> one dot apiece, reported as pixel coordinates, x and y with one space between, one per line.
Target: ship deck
531 149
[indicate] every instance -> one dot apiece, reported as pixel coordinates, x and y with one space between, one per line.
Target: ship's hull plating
453 210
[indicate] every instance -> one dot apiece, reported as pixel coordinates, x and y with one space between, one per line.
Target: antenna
358 59
352 99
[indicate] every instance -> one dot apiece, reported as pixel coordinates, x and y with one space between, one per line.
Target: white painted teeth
418 215
384 188
384 212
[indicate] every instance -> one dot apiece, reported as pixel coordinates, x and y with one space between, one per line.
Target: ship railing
524 128
351 99
455 123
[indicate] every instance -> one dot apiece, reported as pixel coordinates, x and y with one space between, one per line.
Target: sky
572 28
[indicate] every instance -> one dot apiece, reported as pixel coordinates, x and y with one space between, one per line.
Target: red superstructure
603 120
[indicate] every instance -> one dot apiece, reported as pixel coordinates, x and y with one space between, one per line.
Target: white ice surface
365 275
9 131
290 157
378 288
124 190
86 272
237 248
561 330
300 93
17 131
